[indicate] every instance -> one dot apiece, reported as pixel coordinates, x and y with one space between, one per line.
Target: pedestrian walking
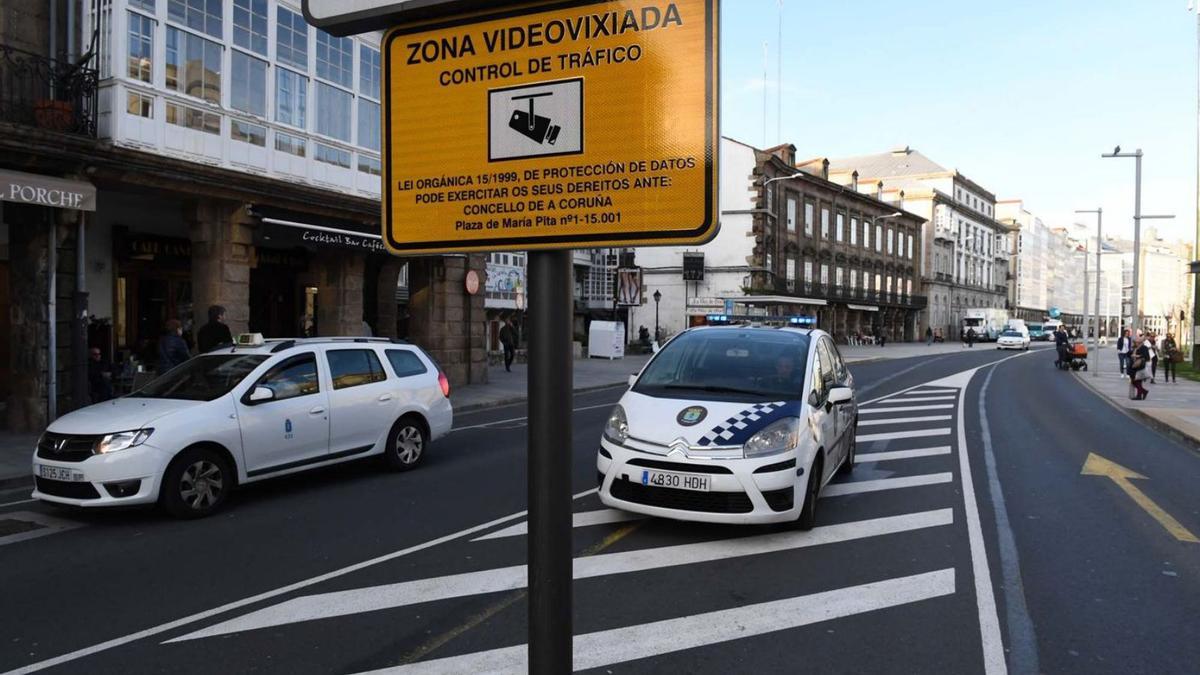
172 350
214 333
1151 343
971 337
1124 348
1139 371
508 340
928 336
1062 342
1171 358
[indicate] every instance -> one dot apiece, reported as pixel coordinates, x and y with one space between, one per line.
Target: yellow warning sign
552 125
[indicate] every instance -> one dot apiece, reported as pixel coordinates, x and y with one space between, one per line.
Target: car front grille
66 448
683 500
69 490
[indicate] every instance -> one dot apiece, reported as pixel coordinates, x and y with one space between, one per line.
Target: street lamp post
657 298
1099 211
1196 245
1137 232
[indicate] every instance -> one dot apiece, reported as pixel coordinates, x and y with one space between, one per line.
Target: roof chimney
902 150
900 204
825 168
854 180
879 191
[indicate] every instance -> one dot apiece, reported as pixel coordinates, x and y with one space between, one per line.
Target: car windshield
729 364
203 378
1010 333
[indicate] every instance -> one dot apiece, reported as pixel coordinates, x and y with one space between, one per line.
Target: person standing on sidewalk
508 340
1170 354
970 337
1139 370
928 336
1124 347
1151 343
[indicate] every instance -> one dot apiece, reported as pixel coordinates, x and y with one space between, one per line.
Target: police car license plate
58 473
678 481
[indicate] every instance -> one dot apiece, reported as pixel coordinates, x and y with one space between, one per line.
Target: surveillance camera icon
531 125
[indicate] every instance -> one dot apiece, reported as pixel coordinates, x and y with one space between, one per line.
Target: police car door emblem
691 416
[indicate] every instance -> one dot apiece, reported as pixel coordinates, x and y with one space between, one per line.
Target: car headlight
778 437
122 440
616 429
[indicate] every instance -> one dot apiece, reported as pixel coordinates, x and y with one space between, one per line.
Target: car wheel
196 483
851 452
808 513
406 444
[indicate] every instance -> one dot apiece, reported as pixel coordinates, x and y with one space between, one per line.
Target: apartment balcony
47 93
1001 288
845 294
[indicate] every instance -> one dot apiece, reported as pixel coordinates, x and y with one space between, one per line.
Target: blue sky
1021 96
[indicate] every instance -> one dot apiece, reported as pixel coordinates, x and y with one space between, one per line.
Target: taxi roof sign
554 124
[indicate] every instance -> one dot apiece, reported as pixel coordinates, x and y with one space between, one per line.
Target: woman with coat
1170 352
1139 370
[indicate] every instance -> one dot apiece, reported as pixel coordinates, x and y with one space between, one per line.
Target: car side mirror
840 395
814 400
633 379
261 395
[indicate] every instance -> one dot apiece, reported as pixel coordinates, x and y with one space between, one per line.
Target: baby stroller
1073 356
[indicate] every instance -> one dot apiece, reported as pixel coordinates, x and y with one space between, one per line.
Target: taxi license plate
678 481
58 473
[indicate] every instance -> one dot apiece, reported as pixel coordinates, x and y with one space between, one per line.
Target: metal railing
842 293
47 93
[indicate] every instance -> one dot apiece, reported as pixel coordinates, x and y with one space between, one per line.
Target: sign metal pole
549 458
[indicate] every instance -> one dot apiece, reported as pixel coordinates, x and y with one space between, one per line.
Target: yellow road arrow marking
1099 466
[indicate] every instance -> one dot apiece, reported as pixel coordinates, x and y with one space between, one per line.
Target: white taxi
731 424
261 409
1013 339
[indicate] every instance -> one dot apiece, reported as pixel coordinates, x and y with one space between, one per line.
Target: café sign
29 188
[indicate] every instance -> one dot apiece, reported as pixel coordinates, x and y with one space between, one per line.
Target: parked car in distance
1013 339
260 409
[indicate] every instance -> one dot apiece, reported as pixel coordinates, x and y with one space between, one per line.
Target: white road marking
522 419
390 596
905 408
914 399
23 501
584 519
994 659
903 420
621 645
48 525
893 435
237 604
903 454
858 487
921 391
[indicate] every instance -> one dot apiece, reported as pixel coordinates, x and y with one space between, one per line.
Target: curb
16 482
515 400
1149 420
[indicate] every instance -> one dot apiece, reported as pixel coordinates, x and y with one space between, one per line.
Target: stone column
445 320
339 294
28 288
222 235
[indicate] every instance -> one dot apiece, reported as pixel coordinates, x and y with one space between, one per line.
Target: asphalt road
1027 565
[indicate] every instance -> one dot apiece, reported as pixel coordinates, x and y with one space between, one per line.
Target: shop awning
32 188
287 233
769 300
864 308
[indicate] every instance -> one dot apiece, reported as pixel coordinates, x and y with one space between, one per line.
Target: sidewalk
505 388
1173 409
907 350
16 456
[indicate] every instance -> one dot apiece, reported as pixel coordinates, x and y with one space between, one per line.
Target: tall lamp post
1137 232
1099 211
657 298
1196 245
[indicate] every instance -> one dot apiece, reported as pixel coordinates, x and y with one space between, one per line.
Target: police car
731 424
235 415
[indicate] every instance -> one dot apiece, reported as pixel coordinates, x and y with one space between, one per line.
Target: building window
891 238
141 47
841 226
201 15
791 272
910 247
192 118
331 155
824 223
335 59
878 283
291 97
866 234
854 280
291 39
333 112
250 25
368 71
878 238
808 219
248 84
824 274
854 231
791 214
140 105
369 165
838 277
292 145
248 133
368 124
808 271
193 65
147 5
